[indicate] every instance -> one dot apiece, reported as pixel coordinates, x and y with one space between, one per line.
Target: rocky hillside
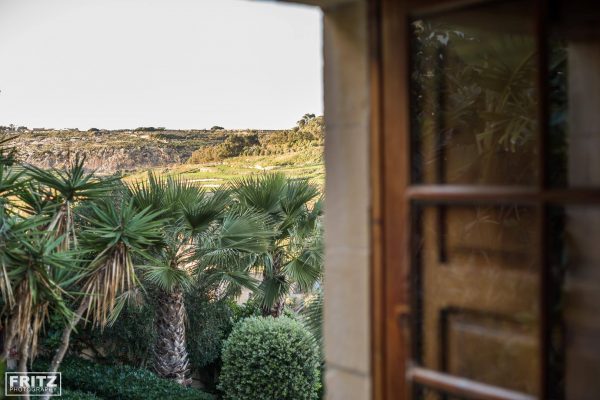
111 151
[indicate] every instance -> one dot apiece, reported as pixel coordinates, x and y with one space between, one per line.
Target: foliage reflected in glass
574 95
575 301
473 77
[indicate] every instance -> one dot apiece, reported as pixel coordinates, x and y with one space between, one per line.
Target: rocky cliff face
110 151
106 159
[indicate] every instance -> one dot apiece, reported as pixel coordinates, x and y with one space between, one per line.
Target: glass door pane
575 265
473 96
574 94
477 285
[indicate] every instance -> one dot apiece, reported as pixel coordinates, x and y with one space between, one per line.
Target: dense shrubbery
77 395
233 146
270 359
308 133
209 323
121 382
120 343
149 129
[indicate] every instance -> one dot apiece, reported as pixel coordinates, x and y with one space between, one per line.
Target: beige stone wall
346 326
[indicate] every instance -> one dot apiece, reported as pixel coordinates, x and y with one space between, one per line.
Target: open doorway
164 182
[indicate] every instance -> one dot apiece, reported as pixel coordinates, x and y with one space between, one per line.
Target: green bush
77 395
122 382
209 323
270 359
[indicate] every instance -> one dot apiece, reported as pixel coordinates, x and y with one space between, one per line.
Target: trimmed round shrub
270 359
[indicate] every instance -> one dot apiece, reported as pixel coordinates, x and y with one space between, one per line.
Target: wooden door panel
479 299
493 349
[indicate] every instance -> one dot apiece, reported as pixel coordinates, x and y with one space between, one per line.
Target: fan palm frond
261 193
296 195
199 214
233 240
272 290
312 315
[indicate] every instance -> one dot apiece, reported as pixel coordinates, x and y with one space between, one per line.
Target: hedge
77 395
122 382
270 359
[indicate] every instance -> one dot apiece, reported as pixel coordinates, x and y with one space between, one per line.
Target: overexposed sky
172 63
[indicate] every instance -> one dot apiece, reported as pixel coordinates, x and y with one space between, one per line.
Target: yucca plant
115 234
67 188
292 209
35 260
83 221
43 263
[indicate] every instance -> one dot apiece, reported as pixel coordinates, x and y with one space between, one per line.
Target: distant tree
305 119
93 130
233 146
216 128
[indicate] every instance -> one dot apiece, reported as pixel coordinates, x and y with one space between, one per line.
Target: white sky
173 63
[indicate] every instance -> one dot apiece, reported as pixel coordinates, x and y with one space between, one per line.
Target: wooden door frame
389 217
391 195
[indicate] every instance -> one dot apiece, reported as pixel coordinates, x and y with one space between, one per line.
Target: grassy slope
307 163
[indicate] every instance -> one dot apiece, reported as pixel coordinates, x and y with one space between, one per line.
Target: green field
307 163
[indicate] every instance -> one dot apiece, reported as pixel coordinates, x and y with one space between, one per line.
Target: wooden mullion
377 271
462 387
501 194
396 179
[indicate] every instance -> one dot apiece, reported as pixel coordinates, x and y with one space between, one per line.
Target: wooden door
486 159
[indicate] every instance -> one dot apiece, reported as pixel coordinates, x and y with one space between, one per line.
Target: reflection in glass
473 115
575 266
426 393
478 294
574 94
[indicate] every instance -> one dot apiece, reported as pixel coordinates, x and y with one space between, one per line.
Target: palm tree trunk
274 311
171 356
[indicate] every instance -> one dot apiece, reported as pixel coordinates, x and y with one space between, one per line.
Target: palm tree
36 268
92 273
203 240
294 256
